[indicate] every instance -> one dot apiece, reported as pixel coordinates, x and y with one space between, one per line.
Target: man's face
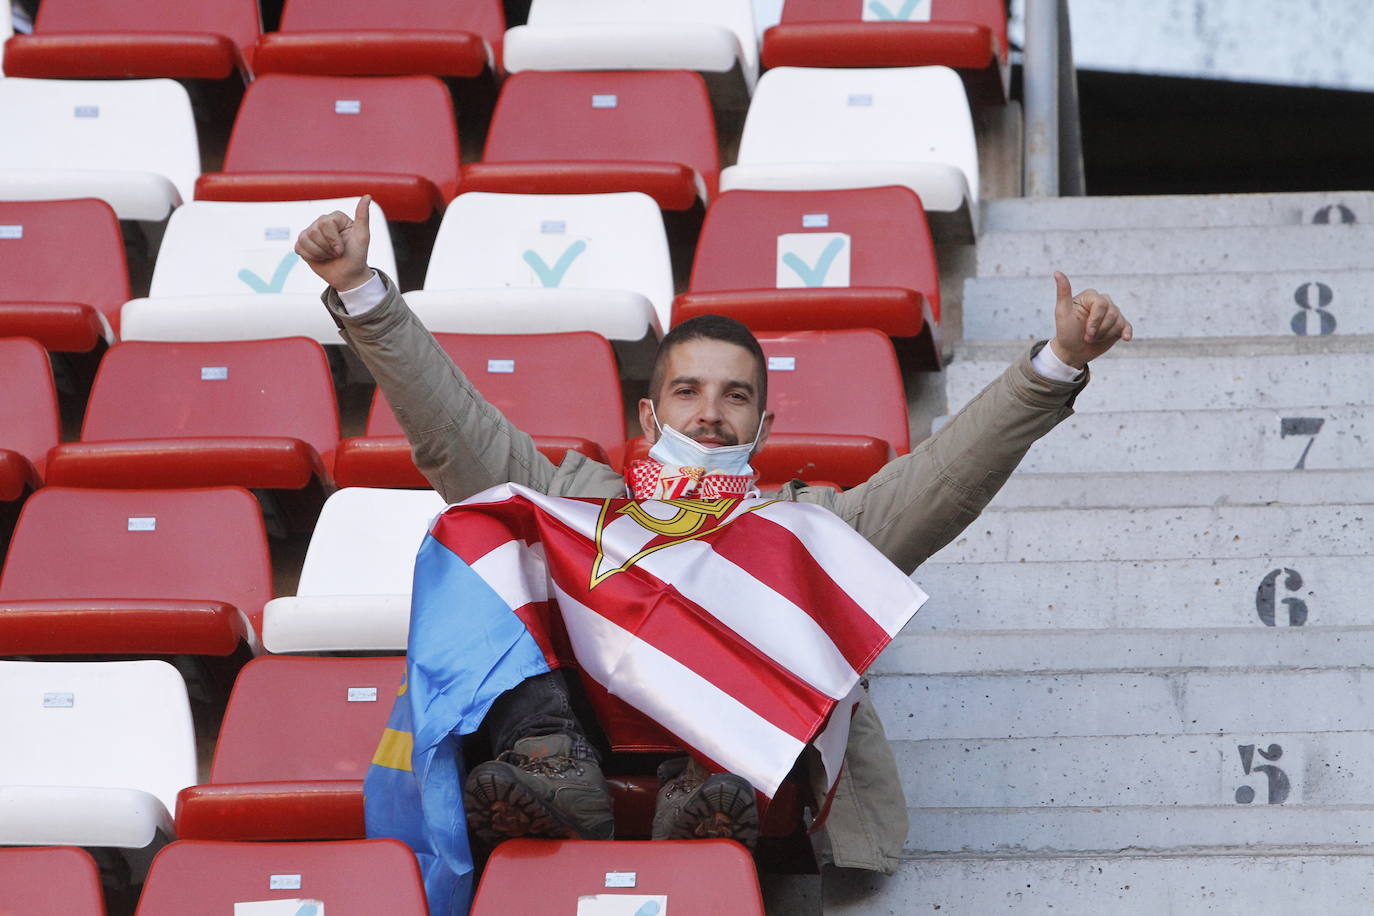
710 393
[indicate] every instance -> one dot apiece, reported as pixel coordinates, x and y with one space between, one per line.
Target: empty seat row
501 263
133 143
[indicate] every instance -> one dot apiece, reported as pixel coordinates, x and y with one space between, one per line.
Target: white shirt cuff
362 299
1047 364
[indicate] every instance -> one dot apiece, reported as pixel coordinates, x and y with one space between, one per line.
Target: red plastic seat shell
50 879
894 311
29 424
698 876
352 877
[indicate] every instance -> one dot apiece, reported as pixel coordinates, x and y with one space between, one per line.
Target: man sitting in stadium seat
706 406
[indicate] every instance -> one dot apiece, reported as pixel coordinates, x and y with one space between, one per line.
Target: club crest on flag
680 520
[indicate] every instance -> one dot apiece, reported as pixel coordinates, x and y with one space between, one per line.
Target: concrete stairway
1145 680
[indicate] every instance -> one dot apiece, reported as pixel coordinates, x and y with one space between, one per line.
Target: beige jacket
911 508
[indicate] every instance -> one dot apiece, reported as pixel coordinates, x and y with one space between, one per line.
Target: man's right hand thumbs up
335 247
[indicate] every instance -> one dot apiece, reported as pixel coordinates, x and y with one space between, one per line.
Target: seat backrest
305 718
50 879
155 390
29 421
482 17
395 125
365 542
124 725
792 239
564 241
143 126
655 116
899 114
71 251
545 384
351 878
992 13
842 382
205 544
228 248
237 20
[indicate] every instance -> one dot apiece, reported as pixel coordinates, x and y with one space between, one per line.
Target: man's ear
646 420
764 429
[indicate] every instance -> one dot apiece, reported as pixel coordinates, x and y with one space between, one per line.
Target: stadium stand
392 137
135 572
295 743
29 423
967 35
99 39
350 878
74 276
107 746
662 872
130 143
354 589
812 260
228 271
361 38
51 879
516 263
582 414
256 414
586 133
713 37
816 129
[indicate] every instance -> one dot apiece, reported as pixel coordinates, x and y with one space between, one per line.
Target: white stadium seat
543 263
99 752
821 129
228 271
354 591
131 143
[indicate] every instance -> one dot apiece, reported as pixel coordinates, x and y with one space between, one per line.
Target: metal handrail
1054 145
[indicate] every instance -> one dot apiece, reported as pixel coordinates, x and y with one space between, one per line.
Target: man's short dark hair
710 327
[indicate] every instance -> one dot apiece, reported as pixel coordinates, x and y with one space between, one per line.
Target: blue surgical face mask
676 450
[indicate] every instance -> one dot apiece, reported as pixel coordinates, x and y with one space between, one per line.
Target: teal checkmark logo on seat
814 275
308 909
880 10
278 281
651 908
552 276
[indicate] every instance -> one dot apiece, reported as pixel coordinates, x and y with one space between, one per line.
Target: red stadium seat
296 741
587 133
74 276
562 389
28 416
208 39
967 35
50 880
681 877
814 260
155 572
257 413
352 878
313 137
363 38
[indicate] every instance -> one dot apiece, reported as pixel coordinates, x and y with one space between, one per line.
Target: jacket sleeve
460 442
919 502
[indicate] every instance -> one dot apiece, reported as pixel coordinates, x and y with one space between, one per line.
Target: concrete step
1317 768
1255 646
1339 884
1028 214
1278 591
1310 302
1246 829
1164 701
1032 489
1173 251
1269 439
1180 533
1196 373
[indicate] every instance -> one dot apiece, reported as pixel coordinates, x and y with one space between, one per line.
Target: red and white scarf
650 479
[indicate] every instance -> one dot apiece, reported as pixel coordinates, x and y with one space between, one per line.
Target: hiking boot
697 804
537 789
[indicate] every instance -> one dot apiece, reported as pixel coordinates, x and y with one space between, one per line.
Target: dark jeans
540 705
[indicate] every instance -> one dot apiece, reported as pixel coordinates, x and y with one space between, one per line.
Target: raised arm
460 442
